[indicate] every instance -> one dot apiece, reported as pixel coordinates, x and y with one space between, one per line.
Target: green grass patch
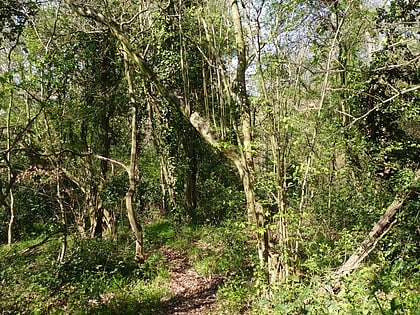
98 277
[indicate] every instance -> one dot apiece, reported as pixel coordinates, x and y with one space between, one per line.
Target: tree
13 17
391 92
388 103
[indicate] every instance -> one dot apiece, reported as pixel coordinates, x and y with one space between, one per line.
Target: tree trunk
167 176
63 220
190 176
92 187
11 219
10 176
129 197
98 212
255 211
167 184
106 81
109 219
93 205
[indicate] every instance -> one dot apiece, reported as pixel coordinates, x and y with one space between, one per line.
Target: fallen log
378 231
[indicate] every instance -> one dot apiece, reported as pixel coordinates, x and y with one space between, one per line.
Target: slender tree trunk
63 220
91 203
167 176
108 101
92 187
11 219
162 184
10 180
190 176
109 218
98 212
279 266
167 183
190 187
255 211
129 197
8 162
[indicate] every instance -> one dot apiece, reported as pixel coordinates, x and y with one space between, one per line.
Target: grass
98 277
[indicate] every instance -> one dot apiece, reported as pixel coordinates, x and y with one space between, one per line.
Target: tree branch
175 101
125 167
378 231
413 88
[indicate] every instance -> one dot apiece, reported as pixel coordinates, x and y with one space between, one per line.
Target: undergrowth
99 277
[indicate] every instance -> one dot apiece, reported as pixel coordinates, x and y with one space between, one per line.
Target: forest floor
191 292
189 270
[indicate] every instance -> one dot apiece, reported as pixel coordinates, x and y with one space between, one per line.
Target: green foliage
149 189
114 190
220 202
224 250
219 194
98 277
234 295
95 256
13 16
368 291
34 212
389 94
160 233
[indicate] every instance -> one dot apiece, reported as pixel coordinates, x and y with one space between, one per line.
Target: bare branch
413 88
125 167
390 67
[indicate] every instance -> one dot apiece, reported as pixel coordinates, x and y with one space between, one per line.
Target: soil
191 293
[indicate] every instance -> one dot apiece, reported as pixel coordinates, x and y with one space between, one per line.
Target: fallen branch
378 231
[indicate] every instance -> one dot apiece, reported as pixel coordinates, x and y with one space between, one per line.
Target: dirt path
192 293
